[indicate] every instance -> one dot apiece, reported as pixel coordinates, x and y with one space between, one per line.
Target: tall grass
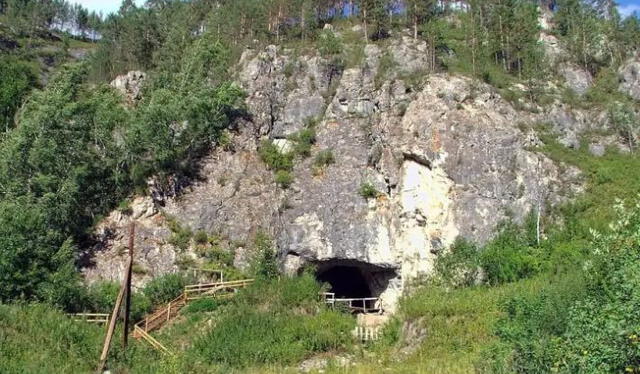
35 338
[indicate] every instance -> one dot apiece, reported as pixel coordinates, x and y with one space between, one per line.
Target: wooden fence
97 318
359 304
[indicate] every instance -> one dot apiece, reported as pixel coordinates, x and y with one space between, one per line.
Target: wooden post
127 303
114 318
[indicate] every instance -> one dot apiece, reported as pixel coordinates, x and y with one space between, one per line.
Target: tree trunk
364 17
415 21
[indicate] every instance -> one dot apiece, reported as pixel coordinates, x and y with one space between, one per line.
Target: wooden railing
365 334
198 291
161 315
359 304
151 340
98 318
169 311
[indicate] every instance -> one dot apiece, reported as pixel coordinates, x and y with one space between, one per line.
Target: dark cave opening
346 282
350 279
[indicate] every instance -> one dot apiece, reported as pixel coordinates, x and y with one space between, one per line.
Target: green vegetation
16 80
282 322
368 190
284 178
303 140
324 158
36 338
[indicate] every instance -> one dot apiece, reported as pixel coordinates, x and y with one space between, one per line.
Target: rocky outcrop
630 78
448 159
576 78
130 85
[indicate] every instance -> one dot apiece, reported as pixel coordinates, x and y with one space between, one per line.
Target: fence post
169 311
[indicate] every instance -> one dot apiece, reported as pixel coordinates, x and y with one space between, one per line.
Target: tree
374 18
624 119
418 11
82 20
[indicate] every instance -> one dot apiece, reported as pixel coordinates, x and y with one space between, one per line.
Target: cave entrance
346 282
349 279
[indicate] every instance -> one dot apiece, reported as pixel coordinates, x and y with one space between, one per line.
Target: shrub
324 158
329 44
368 191
277 321
284 178
265 264
165 288
181 235
460 266
204 305
275 160
507 257
303 140
201 237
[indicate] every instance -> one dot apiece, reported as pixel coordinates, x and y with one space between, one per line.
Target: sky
627 7
107 6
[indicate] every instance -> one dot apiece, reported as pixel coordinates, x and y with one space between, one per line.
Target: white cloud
629 9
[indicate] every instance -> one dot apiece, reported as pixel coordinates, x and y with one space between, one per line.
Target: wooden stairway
169 311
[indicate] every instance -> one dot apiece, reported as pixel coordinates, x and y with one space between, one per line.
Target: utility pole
126 285
127 302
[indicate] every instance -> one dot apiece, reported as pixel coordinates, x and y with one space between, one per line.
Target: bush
329 44
368 191
284 178
303 140
324 158
204 305
279 321
508 257
275 160
181 235
265 264
460 266
201 237
165 288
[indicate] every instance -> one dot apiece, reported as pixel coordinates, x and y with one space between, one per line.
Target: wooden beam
114 318
127 303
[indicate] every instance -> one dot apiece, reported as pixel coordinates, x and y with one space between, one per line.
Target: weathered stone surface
130 85
630 78
576 78
448 160
411 56
597 149
153 255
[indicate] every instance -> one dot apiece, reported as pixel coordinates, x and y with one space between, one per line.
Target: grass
368 190
35 338
459 323
612 176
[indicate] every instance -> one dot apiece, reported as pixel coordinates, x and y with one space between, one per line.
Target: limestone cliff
449 157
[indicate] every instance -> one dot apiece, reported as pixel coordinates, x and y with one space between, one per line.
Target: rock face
577 79
130 85
448 159
630 78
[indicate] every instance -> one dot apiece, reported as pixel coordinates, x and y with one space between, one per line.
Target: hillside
467 172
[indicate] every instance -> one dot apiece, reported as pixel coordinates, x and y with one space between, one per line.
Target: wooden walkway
166 313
